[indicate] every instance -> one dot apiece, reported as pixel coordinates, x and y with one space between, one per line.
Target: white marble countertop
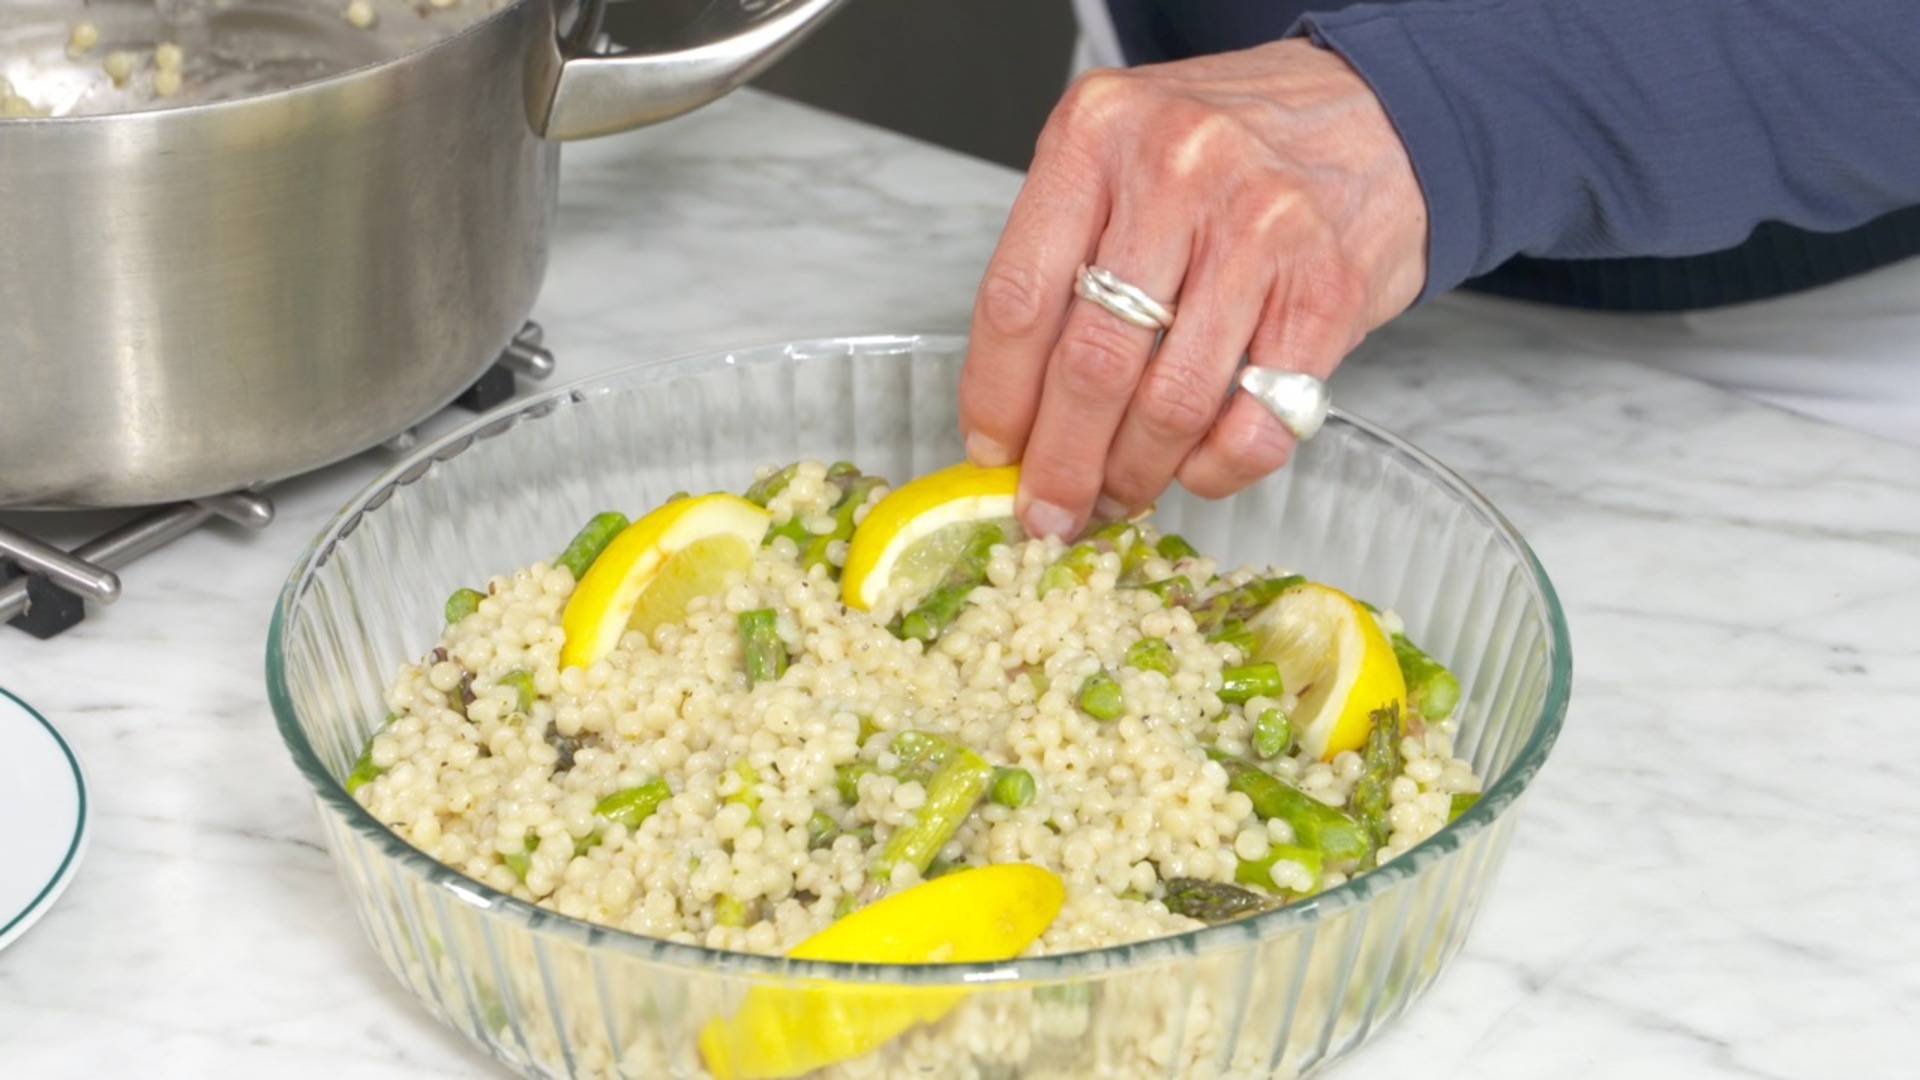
1718 874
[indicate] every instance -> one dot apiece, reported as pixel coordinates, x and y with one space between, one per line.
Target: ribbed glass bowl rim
698 959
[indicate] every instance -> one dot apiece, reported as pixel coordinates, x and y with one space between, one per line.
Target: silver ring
1298 400
1127 301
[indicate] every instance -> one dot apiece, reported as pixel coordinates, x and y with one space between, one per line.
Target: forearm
1602 128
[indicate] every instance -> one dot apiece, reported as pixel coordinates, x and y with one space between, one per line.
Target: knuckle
1272 211
1083 124
1008 303
1097 360
1058 479
1199 141
1090 97
1176 405
1134 485
1328 291
1318 313
1238 456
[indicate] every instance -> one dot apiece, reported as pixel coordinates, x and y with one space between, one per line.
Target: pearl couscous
665 791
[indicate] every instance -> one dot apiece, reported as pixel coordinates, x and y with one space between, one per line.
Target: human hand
1266 190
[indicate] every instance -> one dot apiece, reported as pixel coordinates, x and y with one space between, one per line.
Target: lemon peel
971 916
1334 656
909 536
650 570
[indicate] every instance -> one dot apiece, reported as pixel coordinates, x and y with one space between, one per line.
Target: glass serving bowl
1280 994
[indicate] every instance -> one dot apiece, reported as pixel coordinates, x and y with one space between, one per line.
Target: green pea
1272 733
1151 654
1012 786
463 603
1100 696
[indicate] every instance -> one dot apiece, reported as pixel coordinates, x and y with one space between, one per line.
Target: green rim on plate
17 922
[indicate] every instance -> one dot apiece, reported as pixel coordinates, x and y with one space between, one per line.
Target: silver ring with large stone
1129 302
1298 400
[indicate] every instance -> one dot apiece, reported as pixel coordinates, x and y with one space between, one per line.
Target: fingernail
1110 509
1046 519
985 452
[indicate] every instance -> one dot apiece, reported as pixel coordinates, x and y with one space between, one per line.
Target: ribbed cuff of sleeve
1383 52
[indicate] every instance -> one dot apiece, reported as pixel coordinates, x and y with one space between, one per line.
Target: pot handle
601 95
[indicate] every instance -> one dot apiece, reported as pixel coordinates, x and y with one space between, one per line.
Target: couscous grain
769 799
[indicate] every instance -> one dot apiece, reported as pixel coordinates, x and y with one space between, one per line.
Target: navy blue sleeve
1586 129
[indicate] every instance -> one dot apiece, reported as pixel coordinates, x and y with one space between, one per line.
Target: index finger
1052 228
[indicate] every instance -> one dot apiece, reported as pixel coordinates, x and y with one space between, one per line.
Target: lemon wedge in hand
910 537
650 570
1333 655
984 914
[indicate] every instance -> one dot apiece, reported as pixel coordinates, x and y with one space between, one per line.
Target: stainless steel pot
200 298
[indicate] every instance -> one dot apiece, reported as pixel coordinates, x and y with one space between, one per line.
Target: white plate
43 816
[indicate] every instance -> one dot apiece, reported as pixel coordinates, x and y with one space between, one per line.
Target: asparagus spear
1212 901
1173 547
1176 591
794 529
1133 557
1242 602
928 619
521 682
1381 763
1461 802
749 794
519 862
1078 563
854 496
959 781
1260 678
1235 633
463 603
921 754
1056 577
766 654
821 830
846 779
729 910
1315 824
364 771
933 614
1260 871
1117 536
590 541
764 489
631 806
1432 690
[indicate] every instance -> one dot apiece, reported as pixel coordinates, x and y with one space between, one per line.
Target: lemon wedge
983 914
650 570
909 538
1333 655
